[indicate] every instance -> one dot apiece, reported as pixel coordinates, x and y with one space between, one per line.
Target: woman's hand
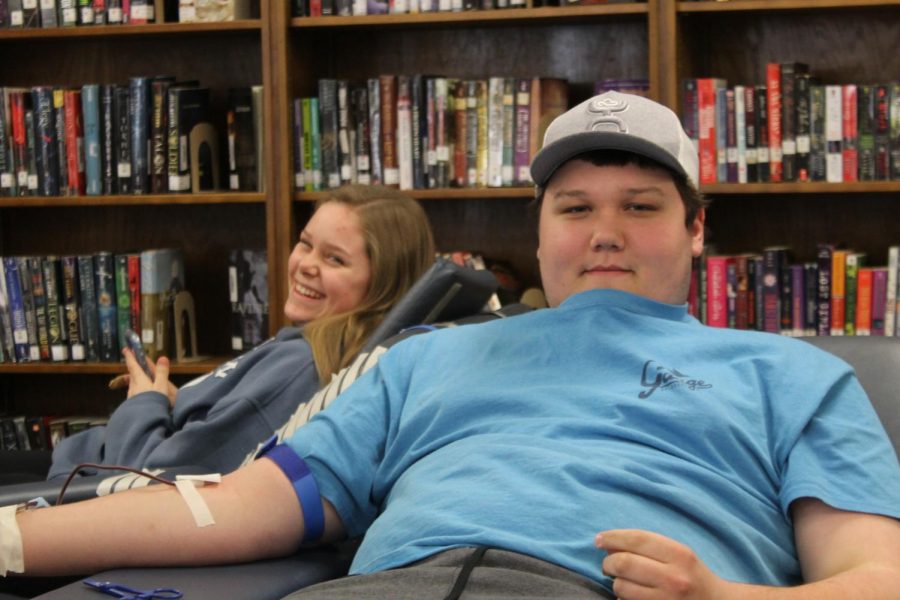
139 382
647 565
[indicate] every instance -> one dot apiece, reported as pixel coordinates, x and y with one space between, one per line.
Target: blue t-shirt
533 433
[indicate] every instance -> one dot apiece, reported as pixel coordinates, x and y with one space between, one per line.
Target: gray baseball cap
616 121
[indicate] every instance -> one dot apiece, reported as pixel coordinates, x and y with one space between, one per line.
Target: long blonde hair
400 248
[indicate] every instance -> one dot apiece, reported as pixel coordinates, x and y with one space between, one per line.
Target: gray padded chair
877 363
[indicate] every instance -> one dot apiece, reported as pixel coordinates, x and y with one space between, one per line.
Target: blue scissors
122 591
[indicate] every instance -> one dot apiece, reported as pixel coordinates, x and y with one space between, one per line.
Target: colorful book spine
706 133
891 306
818 146
107 318
773 104
90 114
16 309
823 288
87 292
123 298
762 131
47 148
865 132
373 86
71 302
57 334
717 290
879 300
838 290
854 261
834 136
774 264
26 285
849 133
864 285
522 157
38 291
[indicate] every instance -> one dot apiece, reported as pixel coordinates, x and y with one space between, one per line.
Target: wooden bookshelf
205 225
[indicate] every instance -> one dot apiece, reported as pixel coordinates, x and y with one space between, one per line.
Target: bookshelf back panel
219 61
867 223
500 229
582 54
205 233
60 394
839 47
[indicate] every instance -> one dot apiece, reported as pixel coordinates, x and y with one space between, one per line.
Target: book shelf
206 225
662 40
842 42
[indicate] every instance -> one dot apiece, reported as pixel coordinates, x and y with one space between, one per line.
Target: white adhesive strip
11 555
196 503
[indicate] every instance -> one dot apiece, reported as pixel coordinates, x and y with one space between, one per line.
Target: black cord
463 577
62 490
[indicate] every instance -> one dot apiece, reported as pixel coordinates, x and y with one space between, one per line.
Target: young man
610 444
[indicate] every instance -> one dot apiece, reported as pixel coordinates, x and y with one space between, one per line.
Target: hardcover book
802 84
107 317
818 146
823 288
109 136
374 96
404 141
57 334
882 101
7 166
879 300
248 290
71 301
763 170
242 167
359 108
707 144
59 120
865 132
139 95
90 113
47 149
188 107
162 276
387 85
87 292
74 143
838 290
834 137
774 109
122 112
16 310
39 294
26 285
849 133
328 129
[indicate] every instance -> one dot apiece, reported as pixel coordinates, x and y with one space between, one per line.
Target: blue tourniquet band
297 471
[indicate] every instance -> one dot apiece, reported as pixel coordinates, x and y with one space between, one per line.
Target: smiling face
329 269
616 227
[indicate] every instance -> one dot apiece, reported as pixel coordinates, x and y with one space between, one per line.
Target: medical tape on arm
304 484
187 487
12 557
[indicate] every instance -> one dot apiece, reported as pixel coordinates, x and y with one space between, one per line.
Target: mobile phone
134 343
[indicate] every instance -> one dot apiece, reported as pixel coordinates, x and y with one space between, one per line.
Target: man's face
616 227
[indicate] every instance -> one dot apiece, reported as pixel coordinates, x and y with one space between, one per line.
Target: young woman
357 256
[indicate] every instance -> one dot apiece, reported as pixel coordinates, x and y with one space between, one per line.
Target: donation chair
875 359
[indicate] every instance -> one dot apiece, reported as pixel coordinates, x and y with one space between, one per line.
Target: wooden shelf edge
135 200
443 194
547 13
797 187
97 368
130 30
779 5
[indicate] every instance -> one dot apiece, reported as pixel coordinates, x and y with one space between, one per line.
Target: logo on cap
607 120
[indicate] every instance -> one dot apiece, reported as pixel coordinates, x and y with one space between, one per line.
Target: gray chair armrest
876 361
260 580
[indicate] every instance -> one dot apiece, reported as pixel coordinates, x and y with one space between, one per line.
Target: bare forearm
871 582
253 511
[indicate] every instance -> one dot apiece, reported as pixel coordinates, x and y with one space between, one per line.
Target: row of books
793 128
837 294
359 8
421 132
152 135
20 432
71 13
78 307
